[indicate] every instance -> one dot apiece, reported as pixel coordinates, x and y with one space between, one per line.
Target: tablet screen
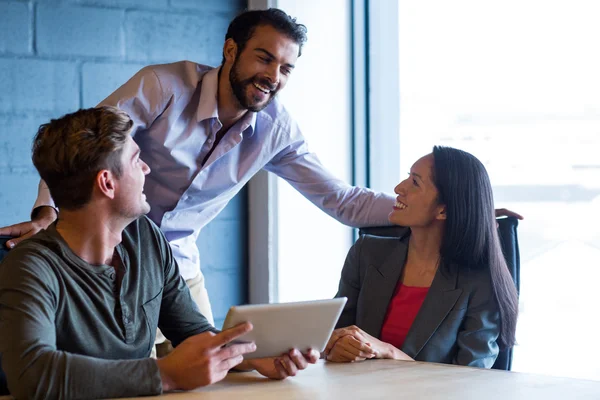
278 328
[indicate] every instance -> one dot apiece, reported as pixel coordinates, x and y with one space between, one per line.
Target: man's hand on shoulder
203 359
44 217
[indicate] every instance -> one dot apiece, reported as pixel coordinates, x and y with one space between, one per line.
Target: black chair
3 385
507 230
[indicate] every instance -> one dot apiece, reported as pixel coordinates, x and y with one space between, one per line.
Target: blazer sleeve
350 285
477 340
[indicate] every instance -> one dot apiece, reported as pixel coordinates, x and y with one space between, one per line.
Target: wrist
244 366
45 214
397 354
390 352
167 382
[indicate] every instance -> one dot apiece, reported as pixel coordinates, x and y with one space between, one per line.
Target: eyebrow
417 175
260 49
136 153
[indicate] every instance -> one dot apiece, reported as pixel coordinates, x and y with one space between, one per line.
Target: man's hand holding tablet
281 367
288 336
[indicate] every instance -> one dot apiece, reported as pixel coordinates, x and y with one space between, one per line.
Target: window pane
517 84
312 245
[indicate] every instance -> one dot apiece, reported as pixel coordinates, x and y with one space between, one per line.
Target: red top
401 313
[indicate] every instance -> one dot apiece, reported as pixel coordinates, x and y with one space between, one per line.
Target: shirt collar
208 106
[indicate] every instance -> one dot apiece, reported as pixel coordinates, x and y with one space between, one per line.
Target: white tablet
278 328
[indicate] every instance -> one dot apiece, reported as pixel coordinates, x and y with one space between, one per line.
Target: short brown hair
68 152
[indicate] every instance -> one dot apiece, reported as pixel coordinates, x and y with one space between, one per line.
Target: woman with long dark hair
442 292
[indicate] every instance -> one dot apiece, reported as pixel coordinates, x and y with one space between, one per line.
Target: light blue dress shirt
174 107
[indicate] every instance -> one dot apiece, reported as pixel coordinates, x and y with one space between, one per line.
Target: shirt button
209 140
112 276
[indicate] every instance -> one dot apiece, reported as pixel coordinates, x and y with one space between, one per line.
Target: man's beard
238 86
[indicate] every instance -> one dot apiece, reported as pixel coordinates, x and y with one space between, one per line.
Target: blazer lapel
440 300
379 286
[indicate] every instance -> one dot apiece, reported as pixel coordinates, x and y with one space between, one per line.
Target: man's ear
441 212
230 50
105 183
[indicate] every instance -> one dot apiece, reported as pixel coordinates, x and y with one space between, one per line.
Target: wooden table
384 379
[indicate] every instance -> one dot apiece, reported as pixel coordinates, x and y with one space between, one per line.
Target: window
517 84
311 245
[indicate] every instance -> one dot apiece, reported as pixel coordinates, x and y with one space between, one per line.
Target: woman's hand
353 344
349 349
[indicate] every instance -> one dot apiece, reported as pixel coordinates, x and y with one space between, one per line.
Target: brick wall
57 56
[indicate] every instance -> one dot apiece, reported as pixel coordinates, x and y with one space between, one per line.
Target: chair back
3 385
507 230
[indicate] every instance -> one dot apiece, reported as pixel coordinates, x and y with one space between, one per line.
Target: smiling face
417 202
262 68
130 200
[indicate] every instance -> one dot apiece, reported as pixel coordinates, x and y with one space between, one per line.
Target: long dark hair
470 236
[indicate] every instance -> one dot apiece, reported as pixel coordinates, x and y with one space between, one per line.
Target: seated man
80 302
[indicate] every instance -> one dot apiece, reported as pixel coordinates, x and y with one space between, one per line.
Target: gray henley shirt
72 330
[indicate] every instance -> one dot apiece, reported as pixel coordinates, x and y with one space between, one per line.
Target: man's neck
91 234
229 108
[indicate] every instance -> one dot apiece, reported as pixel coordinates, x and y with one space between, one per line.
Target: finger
335 357
363 349
237 349
360 336
356 353
13 242
281 371
228 335
16 229
349 356
312 356
335 336
289 365
298 359
329 345
332 341
229 363
345 355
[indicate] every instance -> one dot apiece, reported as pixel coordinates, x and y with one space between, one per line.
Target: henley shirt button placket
127 323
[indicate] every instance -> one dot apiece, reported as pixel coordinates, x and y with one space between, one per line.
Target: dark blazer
458 323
